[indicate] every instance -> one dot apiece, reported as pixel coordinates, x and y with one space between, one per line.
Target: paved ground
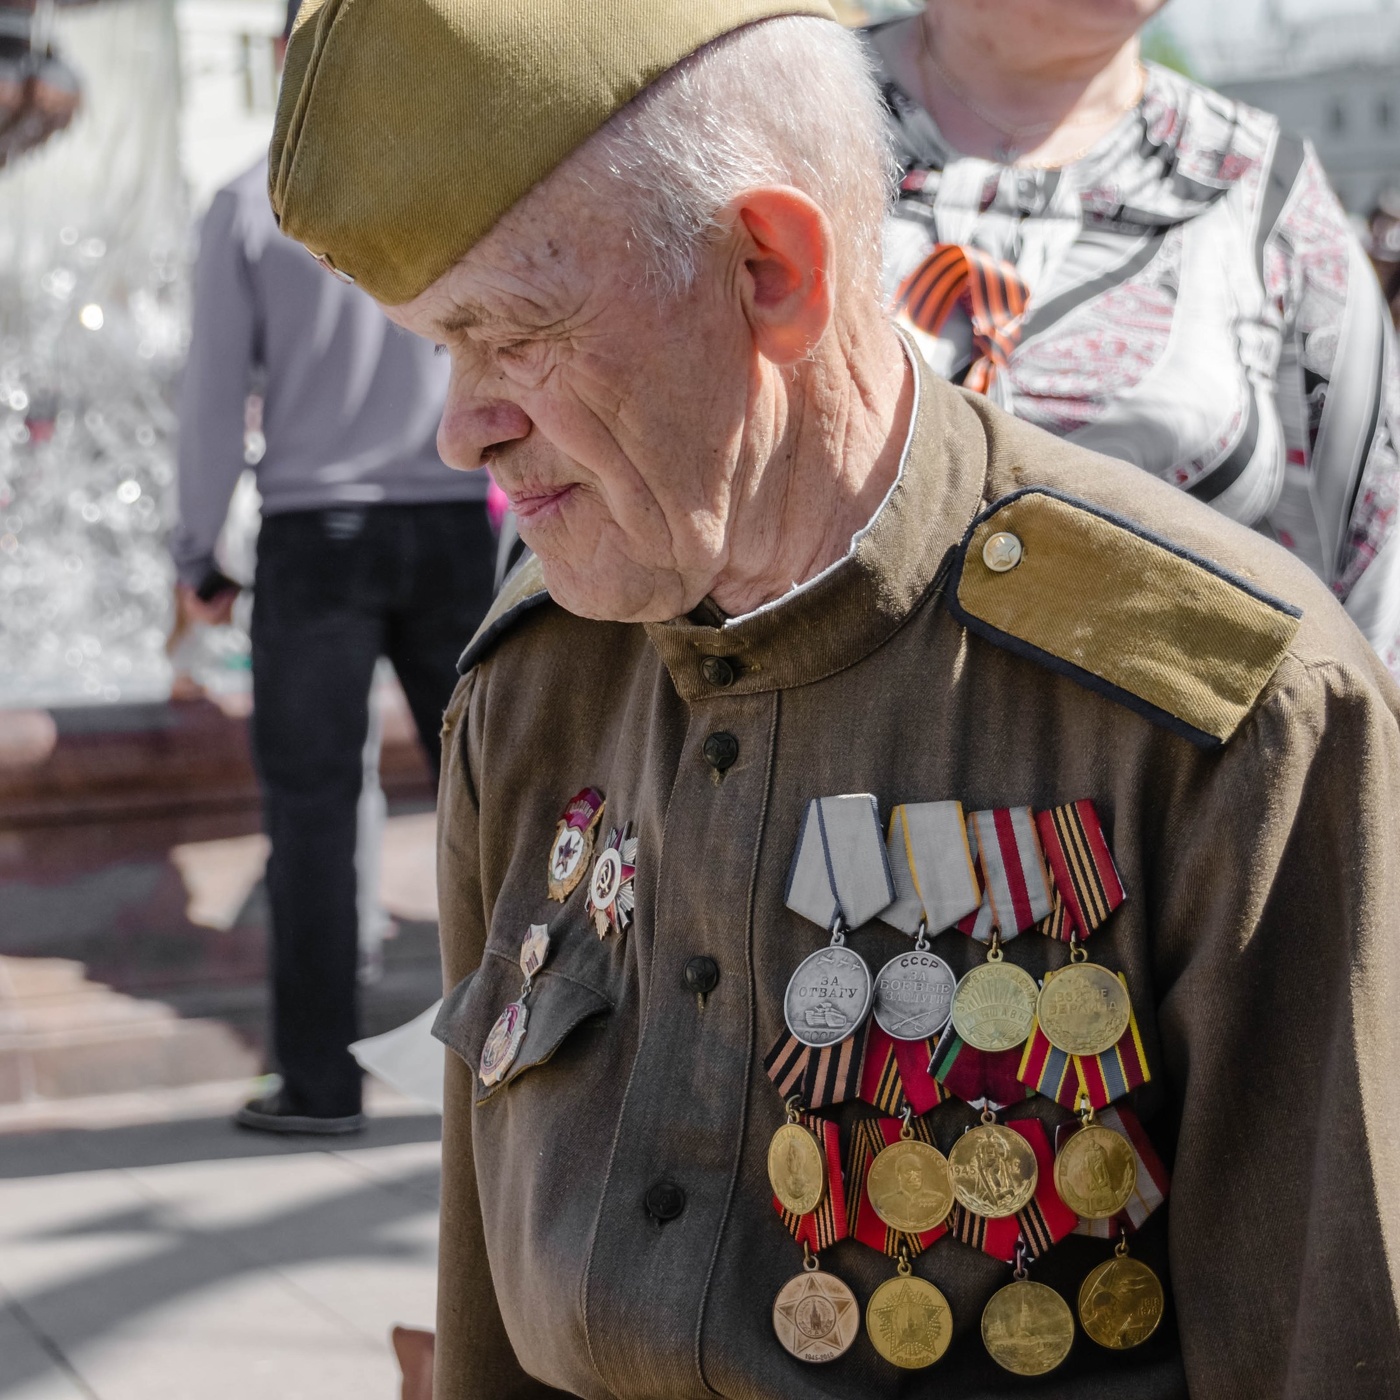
151 1251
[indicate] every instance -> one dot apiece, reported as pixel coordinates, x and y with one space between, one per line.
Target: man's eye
515 349
439 349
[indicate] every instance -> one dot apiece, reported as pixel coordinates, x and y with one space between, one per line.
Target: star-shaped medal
610 894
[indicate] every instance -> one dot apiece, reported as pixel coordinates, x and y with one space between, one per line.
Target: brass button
721 750
1002 552
718 670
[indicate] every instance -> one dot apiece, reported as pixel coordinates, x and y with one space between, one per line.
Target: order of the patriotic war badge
610 893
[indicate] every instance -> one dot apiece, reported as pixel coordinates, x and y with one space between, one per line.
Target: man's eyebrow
465 317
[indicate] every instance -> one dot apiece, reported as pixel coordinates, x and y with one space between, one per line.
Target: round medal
816 1316
994 1171
994 1006
1083 1009
909 1186
1096 1172
607 877
909 1322
914 996
1027 1328
796 1169
1121 1303
828 996
503 1043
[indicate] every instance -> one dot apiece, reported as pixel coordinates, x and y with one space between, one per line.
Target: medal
1096 1171
1083 1009
908 1320
816 1317
796 1166
1121 1302
914 994
993 1169
828 996
611 897
994 1004
909 1185
935 880
573 843
1151 1181
1027 1328
503 1042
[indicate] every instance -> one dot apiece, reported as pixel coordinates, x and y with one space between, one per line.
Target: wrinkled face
1040 34
612 421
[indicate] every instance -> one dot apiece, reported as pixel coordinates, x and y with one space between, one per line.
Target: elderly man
776 563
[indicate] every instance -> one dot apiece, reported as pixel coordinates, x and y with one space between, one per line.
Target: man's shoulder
1136 590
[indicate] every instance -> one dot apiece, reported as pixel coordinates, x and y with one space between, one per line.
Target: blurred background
135 1229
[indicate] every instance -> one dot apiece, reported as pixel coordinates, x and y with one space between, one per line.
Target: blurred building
1336 80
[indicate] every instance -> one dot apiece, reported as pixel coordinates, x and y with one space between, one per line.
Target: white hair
789 101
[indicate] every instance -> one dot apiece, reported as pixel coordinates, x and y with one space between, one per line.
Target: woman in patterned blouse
1143 266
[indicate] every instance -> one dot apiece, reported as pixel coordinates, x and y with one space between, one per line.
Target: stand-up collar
846 613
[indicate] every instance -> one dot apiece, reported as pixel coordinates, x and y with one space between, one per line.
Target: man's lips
535 503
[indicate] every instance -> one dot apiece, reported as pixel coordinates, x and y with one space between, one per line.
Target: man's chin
632 596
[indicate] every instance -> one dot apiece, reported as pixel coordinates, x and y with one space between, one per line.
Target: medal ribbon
895 1074
1087 885
931 864
981 1078
1044 1222
840 874
869 1136
822 1078
1016 890
1153 1180
828 1223
1073 1080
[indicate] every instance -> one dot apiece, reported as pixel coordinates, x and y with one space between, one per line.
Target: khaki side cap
1126 613
406 128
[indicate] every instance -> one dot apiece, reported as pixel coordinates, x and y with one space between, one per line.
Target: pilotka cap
406 128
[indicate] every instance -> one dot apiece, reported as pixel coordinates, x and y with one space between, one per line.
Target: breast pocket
564 996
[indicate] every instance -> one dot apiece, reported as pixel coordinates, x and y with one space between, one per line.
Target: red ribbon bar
895 1075
868 1137
981 1078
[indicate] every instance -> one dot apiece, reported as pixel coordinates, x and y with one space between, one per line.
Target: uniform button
664 1201
701 975
718 670
1002 552
721 750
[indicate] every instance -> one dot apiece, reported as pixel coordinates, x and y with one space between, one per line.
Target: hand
213 612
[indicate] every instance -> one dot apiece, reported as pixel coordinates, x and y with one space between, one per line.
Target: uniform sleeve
1281 969
473 1359
214 391
1340 404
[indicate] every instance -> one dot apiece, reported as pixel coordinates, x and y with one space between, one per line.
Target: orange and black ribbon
988 289
895 1074
828 1223
820 1078
869 1137
1087 884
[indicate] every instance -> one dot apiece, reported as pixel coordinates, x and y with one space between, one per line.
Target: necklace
1014 136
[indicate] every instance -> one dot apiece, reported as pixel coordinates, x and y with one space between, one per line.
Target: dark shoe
273 1114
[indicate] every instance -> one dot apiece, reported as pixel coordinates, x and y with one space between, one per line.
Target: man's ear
785 251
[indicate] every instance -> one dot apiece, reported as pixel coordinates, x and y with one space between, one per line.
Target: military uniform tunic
607 1223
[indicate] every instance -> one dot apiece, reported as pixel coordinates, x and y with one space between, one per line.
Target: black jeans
335 590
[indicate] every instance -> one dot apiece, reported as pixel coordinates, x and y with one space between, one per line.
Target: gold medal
1121 1302
994 1005
1083 1009
796 1167
994 1170
1096 1171
815 1316
909 1185
909 1321
1027 1328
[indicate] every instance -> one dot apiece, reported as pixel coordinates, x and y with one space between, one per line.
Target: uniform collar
846 612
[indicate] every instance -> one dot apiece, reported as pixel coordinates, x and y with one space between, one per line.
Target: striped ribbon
896 1076
935 880
1153 1180
1016 887
1043 1223
828 1223
981 1078
988 289
840 871
821 1078
1087 885
1096 1079
869 1136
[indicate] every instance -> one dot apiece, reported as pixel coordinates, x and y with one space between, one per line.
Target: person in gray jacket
369 546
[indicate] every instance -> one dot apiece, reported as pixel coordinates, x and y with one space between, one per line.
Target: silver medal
828 997
914 996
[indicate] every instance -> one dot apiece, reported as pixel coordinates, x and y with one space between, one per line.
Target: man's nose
472 428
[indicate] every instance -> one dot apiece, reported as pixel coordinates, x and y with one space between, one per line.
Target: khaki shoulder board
522 592
1120 610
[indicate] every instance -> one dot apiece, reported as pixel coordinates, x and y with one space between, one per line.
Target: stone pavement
151 1251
